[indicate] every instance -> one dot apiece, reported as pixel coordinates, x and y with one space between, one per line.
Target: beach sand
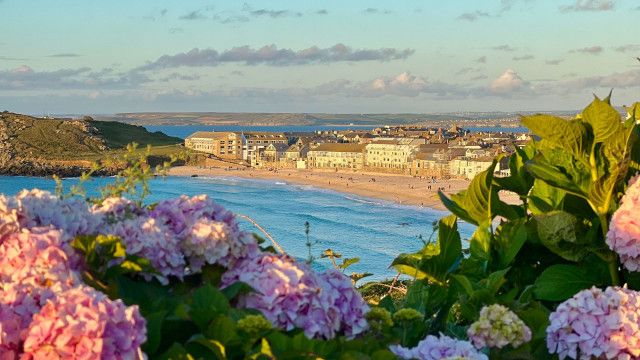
401 189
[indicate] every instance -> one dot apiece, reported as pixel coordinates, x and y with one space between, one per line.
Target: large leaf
478 203
207 303
560 282
510 237
604 120
561 233
519 181
571 135
437 260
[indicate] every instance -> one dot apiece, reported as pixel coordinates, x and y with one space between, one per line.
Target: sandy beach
401 189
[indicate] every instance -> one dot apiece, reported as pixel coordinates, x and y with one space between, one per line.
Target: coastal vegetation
555 276
35 146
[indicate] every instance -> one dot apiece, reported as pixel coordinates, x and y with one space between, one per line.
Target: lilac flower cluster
291 295
438 348
177 236
83 323
39 268
34 208
498 327
597 324
623 236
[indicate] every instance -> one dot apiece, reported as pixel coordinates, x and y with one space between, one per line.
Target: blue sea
182 131
374 230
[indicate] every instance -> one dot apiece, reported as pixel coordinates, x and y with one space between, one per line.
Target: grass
118 135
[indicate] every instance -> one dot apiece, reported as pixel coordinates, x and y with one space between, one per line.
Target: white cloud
509 82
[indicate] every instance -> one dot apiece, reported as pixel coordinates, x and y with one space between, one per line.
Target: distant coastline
400 189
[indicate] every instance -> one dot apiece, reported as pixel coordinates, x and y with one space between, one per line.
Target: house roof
210 135
340 147
278 147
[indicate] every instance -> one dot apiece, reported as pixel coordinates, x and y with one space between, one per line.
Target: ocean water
374 230
182 131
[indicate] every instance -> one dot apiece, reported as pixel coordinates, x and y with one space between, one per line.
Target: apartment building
337 156
391 155
256 142
225 145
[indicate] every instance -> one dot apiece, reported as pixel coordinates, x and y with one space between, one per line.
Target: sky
401 56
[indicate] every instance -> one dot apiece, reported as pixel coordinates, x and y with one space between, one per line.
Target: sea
374 230
182 131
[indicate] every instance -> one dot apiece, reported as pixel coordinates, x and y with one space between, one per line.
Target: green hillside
30 145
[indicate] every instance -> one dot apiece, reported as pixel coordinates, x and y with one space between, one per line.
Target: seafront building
337 156
225 145
393 155
256 142
413 150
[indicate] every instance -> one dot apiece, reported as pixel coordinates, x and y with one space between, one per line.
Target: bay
374 230
182 131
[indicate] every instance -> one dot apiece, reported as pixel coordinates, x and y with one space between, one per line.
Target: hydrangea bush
555 275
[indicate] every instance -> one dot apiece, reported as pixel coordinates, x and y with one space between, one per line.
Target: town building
337 156
391 155
256 142
224 145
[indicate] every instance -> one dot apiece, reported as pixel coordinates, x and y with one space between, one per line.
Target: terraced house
337 156
393 155
257 142
225 145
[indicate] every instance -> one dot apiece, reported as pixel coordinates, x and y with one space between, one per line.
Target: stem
613 259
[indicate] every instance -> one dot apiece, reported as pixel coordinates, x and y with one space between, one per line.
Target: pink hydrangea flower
114 209
145 236
41 208
598 324
344 304
8 217
33 269
498 327
624 230
438 348
208 233
182 212
12 332
291 295
82 323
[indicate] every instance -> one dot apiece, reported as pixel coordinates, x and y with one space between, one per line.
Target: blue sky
90 56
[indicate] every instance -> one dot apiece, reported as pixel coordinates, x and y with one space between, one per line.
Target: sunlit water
182 131
374 230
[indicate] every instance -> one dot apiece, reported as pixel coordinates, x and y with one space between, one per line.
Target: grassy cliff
35 146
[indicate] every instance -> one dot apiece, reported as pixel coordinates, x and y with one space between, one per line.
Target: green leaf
437 260
605 121
348 262
571 135
217 348
237 288
207 303
464 282
544 197
478 203
177 352
555 177
154 331
480 243
519 181
561 233
509 239
560 282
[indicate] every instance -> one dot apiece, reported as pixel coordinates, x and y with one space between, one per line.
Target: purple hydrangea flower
624 230
83 323
597 324
437 348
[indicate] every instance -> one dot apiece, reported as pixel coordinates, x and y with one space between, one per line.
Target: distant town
449 153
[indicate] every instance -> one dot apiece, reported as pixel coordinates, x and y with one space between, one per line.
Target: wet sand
401 189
